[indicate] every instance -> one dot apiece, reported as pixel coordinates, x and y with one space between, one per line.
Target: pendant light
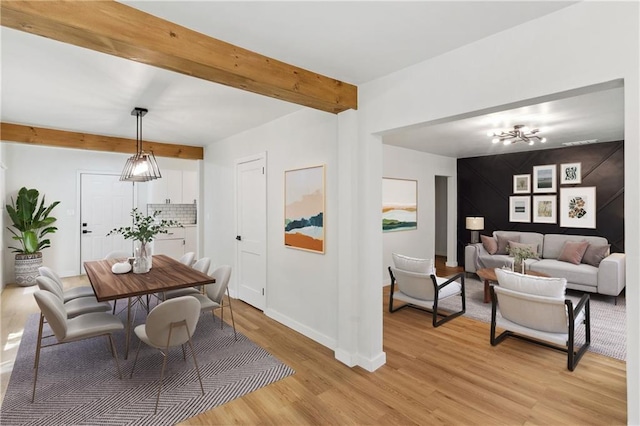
142 166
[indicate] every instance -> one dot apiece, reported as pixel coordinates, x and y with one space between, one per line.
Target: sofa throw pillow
411 264
503 243
595 253
532 247
573 251
540 286
489 244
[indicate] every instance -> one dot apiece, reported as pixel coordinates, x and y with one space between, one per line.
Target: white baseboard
372 364
324 340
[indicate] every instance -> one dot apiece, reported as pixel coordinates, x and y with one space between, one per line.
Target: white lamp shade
475 223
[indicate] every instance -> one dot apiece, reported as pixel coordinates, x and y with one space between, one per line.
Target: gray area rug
78 383
608 320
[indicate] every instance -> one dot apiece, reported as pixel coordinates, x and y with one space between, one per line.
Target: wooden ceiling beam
64 139
126 32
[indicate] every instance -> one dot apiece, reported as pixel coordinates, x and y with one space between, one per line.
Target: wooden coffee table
489 276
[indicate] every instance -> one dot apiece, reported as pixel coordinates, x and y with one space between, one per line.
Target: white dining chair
213 297
201 265
73 307
187 258
169 324
68 330
70 293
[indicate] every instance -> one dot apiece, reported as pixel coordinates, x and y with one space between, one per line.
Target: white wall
301 289
3 250
54 172
409 164
581 45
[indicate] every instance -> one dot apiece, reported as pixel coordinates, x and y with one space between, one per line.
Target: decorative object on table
544 209
570 173
399 204
578 207
142 166
520 208
121 267
475 225
520 253
544 178
142 232
33 222
521 184
304 209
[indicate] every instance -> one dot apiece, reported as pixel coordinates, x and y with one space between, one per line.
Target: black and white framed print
521 184
570 173
520 208
544 178
544 209
578 207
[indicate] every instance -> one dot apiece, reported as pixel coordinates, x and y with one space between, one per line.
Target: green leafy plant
145 228
32 222
521 253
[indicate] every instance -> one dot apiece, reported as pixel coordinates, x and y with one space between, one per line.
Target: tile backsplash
183 213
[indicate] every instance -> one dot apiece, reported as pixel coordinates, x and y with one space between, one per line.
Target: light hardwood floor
432 376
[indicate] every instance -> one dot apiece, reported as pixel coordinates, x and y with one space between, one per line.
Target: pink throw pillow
490 244
573 251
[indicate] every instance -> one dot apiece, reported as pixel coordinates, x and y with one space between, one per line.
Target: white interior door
251 210
105 203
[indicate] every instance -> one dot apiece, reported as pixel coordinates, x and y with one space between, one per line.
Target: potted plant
142 232
32 223
520 254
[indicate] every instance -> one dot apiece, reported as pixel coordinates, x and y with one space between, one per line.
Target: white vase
142 258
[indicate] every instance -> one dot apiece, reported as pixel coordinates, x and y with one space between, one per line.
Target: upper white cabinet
174 187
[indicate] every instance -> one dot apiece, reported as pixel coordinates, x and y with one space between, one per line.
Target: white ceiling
51 84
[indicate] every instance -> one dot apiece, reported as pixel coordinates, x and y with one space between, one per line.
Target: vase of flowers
520 254
142 232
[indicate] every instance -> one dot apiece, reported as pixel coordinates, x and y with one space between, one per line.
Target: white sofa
607 278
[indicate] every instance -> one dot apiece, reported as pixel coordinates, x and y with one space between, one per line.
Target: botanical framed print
399 204
544 178
578 207
570 173
520 209
304 209
521 184
544 209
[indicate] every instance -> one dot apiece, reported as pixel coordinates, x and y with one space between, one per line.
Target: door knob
84 231
239 238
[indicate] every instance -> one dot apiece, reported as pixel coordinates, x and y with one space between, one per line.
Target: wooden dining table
165 274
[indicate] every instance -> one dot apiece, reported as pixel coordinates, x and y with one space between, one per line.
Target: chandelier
520 133
142 166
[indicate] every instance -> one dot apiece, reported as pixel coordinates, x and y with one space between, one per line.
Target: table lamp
475 225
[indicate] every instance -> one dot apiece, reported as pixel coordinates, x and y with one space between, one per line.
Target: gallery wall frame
399 204
544 178
304 208
520 208
544 209
578 207
570 173
522 184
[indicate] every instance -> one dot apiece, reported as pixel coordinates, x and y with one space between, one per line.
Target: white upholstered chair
70 293
201 265
213 297
187 258
535 309
73 307
68 330
413 282
171 323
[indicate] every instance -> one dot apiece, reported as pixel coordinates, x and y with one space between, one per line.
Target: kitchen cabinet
191 239
175 187
172 243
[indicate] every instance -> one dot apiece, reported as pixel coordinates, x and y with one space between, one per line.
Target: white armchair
419 287
535 309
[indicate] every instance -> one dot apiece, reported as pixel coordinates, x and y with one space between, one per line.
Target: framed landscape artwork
521 184
544 209
578 207
399 204
520 209
304 209
544 178
570 173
